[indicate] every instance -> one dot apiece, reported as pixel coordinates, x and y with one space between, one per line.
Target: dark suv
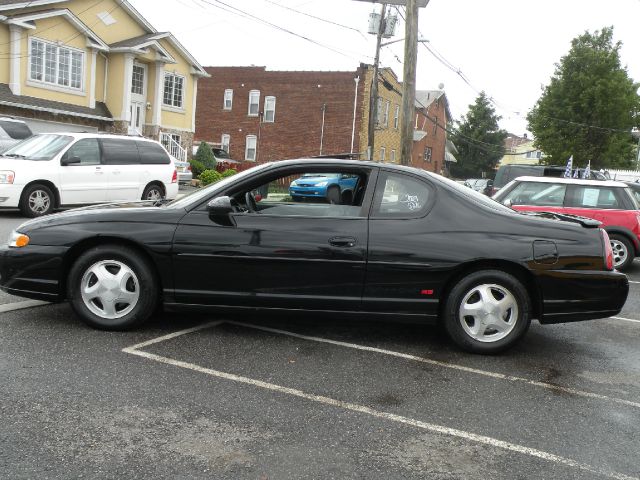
611 203
506 173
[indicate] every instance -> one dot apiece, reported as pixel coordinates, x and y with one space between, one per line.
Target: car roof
78 135
578 181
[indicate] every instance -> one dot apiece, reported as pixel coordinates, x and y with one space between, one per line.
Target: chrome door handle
342 242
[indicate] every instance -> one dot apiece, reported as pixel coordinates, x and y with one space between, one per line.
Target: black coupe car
401 243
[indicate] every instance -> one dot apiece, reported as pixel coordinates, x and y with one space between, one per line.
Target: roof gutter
56 111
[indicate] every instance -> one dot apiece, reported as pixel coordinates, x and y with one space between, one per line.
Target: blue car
331 187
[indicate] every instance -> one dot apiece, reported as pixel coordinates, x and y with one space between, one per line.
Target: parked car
331 187
12 131
408 245
611 203
185 175
506 173
48 171
482 185
635 189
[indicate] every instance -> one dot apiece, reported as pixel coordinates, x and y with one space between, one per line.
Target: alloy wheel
154 194
488 313
39 201
620 253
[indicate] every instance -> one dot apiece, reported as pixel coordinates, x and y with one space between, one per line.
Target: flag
576 173
567 171
587 171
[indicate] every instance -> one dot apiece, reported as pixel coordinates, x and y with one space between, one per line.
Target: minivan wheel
487 312
153 192
623 251
37 200
112 288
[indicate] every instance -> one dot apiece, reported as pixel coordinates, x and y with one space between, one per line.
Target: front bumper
33 272
10 195
570 296
308 191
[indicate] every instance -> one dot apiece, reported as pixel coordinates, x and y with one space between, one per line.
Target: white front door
138 107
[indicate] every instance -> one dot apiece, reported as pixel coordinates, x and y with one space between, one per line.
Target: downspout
324 109
355 106
106 75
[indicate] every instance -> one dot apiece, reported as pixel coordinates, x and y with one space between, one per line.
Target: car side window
86 150
152 153
542 194
119 151
587 196
307 194
400 195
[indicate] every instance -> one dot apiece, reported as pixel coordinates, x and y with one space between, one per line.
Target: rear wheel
153 192
37 200
487 312
623 251
112 288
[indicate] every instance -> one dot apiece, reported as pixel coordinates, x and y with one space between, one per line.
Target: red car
612 203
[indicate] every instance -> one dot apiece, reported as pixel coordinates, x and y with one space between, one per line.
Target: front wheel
487 312
112 288
37 200
623 251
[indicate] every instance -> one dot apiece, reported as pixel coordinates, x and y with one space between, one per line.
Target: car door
82 174
400 270
286 255
123 169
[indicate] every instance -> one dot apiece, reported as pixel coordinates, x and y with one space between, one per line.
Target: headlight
293 184
18 240
7 176
321 184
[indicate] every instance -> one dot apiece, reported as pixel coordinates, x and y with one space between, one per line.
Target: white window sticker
590 197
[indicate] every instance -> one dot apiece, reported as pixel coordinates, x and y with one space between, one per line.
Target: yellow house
96 66
520 151
387 144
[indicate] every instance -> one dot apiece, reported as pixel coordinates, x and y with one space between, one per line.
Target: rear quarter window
118 151
587 196
152 153
16 130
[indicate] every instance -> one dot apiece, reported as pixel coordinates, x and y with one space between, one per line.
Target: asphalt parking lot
280 397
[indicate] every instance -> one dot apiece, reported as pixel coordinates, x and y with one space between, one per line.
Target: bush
205 156
196 167
228 172
209 176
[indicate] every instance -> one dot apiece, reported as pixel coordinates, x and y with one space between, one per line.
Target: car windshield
39 147
198 195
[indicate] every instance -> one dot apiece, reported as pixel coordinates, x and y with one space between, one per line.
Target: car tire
37 200
333 194
487 312
296 198
105 274
153 191
623 251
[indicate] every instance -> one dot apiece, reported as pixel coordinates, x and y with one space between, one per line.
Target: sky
508 48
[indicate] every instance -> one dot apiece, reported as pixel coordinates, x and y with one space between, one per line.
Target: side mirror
507 203
70 161
220 210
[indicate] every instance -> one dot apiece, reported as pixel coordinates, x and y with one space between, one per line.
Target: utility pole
373 97
409 81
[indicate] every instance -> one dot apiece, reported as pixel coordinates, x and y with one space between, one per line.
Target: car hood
313 179
148 211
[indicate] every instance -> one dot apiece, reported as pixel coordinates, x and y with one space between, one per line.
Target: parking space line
453 366
626 319
470 436
633 281
10 307
164 338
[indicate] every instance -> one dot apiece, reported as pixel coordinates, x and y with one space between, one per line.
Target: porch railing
174 148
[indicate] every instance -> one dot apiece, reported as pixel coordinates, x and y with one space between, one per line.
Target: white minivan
55 170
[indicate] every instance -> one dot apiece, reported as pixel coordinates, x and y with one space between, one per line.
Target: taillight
608 251
174 179
188 167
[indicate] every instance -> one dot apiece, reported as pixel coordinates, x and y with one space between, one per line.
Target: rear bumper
581 295
32 272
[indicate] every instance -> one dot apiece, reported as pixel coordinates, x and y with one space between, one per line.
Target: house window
427 154
383 154
534 154
173 90
228 99
226 141
250 149
392 156
396 117
416 121
382 114
435 125
385 116
254 103
269 109
56 65
137 80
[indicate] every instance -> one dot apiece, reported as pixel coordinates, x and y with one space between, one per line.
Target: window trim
383 154
257 103
396 117
33 82
392 156
171 106
264 116
246 148
228 95
228 142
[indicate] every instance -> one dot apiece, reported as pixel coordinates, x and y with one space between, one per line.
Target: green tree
589 107
204 155
479 140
